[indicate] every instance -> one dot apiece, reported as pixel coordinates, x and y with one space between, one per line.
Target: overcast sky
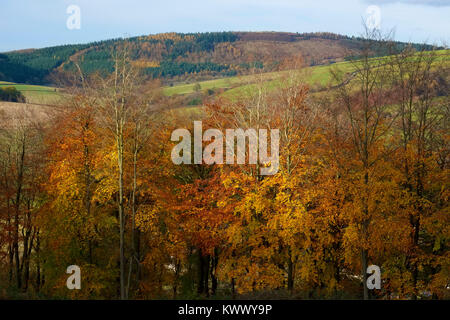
42 23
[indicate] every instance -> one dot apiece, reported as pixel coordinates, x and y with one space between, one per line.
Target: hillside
194 93
35 94
176 57
94 179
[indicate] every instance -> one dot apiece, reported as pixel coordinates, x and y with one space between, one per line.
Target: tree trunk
38 262
119 141
214 263
16 214
203 274
290 281
364 272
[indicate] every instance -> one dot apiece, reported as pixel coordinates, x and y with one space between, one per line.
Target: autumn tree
421 87
365 101
22 197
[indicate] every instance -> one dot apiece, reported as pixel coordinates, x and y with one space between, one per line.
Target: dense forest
363 178
175 55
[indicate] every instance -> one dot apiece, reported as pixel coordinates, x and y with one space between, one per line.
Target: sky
43 23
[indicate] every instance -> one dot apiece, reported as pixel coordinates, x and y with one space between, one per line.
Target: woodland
363 178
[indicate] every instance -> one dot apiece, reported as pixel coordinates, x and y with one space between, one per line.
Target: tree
197 87
418 77
365 101
21 149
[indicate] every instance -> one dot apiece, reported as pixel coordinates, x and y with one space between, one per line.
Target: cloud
434 3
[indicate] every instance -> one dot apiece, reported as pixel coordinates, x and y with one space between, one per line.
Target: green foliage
15 72
252 65
171 68
206 41
195 102
34 66
11 94
197 87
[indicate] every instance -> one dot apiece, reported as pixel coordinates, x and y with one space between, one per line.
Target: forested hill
181 57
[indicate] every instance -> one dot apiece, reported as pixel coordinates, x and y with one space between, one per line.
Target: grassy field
316 75
223 83
36 94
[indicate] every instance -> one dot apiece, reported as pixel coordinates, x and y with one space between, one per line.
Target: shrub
11 94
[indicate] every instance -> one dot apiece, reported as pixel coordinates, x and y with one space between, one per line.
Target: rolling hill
176 58
317 77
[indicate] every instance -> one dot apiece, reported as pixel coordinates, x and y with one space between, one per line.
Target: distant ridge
181 56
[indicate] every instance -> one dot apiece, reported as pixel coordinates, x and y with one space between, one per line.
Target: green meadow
235 85
316 76
36 94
